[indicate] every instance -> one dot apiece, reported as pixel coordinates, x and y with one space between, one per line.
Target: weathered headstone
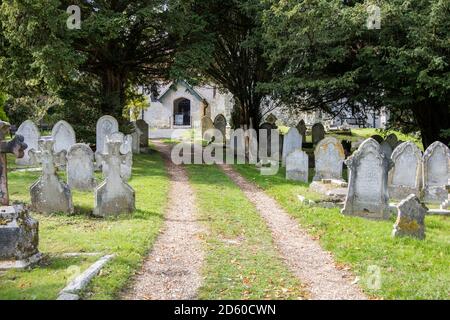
106 126
125 149
143 127
301 127
292 141
410 218
64 136
207 124
368 190
436 173
405 175
30 132
318 132
136 139
392 140
297 166
271 118
19 233
267 131
377 138
386 149
329 157
80 167
220 123
113 196
49 194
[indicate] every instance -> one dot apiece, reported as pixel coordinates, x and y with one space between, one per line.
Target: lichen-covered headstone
49 194
318 132
106 126
143 127
297 166
292 141
113 196
220 123
368 190
329 159
136 139
64 136
30 132
410 218
436 172
80 167
301 127
404 177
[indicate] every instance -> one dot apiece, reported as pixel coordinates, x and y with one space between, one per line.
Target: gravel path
172 270
303 255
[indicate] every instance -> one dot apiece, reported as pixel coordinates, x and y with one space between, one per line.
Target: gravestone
113 196
297 166
377 138
19 233
267 131
318 132
329 157
30 132
404 177
392 140
292 141
80 167
106 126
271 119
301 127
63 135
220 123
410 218
436 173
125 149
368 190
136 139
207 124
143 127
386 149
49 194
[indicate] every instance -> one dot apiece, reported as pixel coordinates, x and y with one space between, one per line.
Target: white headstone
329 158
106 125
436 172
64 136
368 190
80 167
31 134
292 141
404 177
297 166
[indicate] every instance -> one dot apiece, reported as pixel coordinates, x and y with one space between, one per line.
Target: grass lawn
410 269
241 261
128 237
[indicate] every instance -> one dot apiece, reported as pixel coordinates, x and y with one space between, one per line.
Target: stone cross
49 194
113 196
16 147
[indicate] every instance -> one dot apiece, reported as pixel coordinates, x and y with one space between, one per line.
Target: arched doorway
182 112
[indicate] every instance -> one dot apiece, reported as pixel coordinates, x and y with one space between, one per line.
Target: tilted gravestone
113 196
301 127
292 141
64 136
329 158
19 233
435 173
49 194
143 127
318 132
367 188
386 149
106 126
410 218
392 140
30 132
80 167
297 166
405 175
220 123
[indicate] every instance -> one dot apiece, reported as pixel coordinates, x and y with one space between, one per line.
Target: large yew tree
327 58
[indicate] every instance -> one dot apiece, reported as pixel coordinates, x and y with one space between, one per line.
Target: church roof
173 86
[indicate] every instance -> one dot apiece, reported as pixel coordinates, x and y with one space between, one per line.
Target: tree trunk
432 119
113 90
